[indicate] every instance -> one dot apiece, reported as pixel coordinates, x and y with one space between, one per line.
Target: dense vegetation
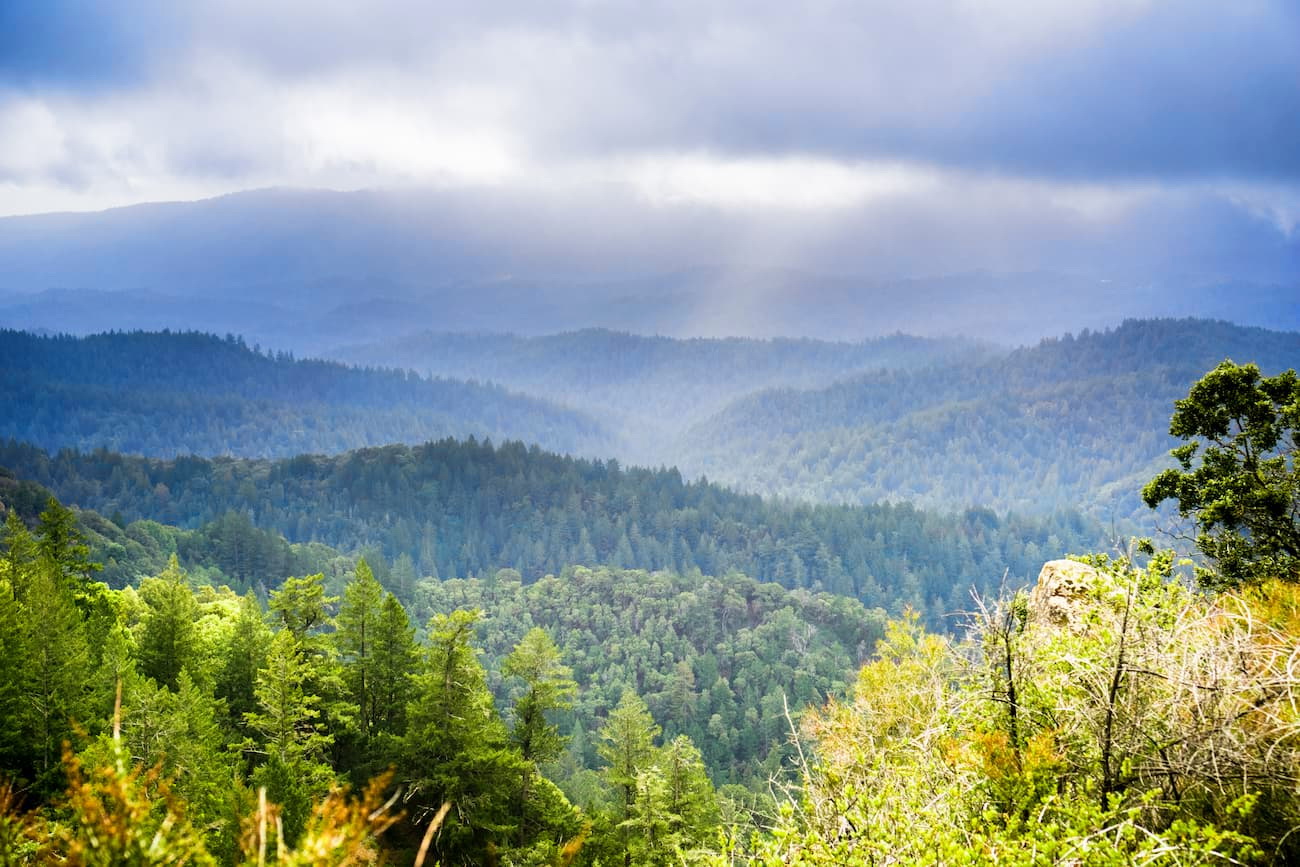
458 509
1115 718
1113 715
314 689
650 389
180 393
1077 421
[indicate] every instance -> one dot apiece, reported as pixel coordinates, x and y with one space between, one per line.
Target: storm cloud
858 137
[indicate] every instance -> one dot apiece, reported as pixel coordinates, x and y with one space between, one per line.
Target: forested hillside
455 509
170 393
313 686
1072 422
650 389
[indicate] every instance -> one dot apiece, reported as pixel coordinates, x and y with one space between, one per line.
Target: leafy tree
1244 492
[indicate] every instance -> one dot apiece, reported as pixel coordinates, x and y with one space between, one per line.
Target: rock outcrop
1066 591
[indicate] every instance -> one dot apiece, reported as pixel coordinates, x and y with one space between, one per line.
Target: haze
1003 169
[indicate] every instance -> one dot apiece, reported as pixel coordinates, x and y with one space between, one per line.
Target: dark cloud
1093 89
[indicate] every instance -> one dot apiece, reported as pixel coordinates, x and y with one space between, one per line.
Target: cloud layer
891 137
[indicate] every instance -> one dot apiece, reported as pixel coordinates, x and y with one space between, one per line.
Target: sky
896 137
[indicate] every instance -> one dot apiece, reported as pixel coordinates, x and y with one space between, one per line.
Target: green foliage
173 393
241 655
1072 423
626 746
711 656
471 508
548 687
357 628
293 737
1152 727
456 747
301 605
168 638
1238 477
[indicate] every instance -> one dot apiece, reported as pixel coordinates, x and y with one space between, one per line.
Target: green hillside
172 393
1076 422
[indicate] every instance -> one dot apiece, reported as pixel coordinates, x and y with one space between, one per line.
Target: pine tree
243 654
395 658
59 540
169 637
19 549
457 748
627 745
355 638
293 740
691 801
548 688
56 689
301 604
14 664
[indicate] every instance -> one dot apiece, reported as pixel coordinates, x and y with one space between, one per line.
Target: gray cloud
1093 89
875 138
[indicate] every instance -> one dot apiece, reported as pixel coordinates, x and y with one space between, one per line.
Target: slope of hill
1077 421
651 389
454 509
709 654
169 393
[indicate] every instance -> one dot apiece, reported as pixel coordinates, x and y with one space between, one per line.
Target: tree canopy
1237 476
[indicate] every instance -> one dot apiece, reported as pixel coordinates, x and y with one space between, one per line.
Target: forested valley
475 650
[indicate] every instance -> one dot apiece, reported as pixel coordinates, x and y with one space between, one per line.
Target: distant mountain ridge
299 269
1074 421
170 393
652 389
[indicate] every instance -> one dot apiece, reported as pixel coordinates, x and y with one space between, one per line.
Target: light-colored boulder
1066 591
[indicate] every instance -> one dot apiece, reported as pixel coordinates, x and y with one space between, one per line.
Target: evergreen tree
457 748
627 747
14 666
395 657
242 656
301 604
691 802
169 636
20 553
293 739
548 688
357 632
56 688
60 541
